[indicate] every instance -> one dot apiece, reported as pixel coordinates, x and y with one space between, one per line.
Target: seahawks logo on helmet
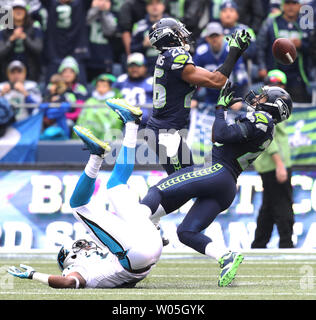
283 109
169 33
274 100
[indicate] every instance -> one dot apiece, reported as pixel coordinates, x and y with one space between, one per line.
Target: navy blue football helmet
169 33
274 100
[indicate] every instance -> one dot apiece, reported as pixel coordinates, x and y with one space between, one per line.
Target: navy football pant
214 188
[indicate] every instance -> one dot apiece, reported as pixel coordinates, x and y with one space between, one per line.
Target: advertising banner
35 211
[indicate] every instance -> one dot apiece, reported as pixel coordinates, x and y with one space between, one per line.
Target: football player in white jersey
127 244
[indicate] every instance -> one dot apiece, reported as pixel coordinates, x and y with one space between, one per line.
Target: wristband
41 277
77 281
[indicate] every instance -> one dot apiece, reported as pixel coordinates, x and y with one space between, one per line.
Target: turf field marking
216 276
146 292
212 262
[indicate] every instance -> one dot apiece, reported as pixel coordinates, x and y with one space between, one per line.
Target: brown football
284 51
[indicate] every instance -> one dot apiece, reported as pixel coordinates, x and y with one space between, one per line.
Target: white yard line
146 292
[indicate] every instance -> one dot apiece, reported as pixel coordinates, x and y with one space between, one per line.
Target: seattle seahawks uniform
171 102
237 157
213 184
172 95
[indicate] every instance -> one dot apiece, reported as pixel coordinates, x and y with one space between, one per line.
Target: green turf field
180 277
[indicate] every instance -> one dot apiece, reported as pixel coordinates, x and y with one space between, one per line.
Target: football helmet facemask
274 100
169 33
68 256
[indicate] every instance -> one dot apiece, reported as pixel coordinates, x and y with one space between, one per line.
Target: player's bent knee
184 235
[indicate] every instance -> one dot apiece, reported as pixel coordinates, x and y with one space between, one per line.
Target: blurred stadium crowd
77 53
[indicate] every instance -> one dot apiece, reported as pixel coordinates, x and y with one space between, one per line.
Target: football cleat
93 144
229 263
125 111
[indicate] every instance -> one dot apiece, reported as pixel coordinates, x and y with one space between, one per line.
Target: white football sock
130 138
93 166
155 218
126 204
215 251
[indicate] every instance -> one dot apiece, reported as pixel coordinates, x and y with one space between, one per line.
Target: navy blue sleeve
177 59
224 133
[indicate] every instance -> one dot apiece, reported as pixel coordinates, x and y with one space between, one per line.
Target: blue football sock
83 191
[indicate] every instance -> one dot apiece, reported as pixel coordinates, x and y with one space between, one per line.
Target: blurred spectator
76 92
136 86
229 18
54 122
18 90
274 167
212 54
251 13
116 6
102 26
38 12
131 12
312 42
56 89
194 14
286 25
101 120
7 116
140 37
24 42
66 34
272 6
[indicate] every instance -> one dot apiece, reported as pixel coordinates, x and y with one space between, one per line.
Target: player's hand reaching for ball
239 39
226 97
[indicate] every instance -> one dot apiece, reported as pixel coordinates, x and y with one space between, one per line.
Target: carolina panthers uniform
213 184
102 269
171 102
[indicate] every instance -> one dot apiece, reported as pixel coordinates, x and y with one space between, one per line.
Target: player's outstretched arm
238 43
72 280
202 77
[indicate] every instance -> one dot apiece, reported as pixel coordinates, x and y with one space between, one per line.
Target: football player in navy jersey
175 81
213 184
